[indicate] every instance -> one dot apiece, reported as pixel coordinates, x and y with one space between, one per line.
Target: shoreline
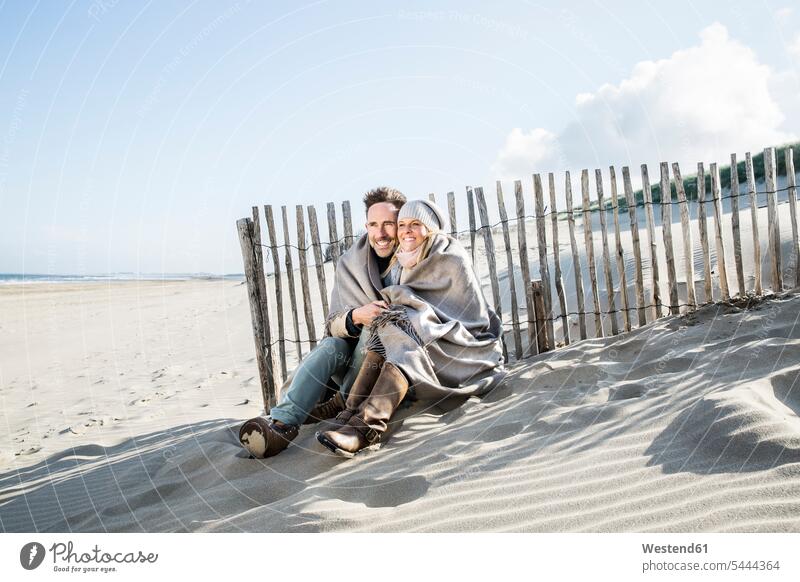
17 279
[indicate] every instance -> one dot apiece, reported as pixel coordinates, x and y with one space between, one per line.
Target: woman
438 337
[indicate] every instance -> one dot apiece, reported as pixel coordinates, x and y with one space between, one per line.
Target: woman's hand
366 313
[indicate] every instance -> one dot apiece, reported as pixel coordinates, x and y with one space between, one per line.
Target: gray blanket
439 330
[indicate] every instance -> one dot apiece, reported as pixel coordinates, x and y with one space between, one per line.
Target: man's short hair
384 194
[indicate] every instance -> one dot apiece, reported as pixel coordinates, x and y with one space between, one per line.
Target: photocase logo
31 555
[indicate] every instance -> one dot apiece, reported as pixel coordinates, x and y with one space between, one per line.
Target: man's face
382 228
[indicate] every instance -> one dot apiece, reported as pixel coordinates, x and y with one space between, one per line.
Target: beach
122 401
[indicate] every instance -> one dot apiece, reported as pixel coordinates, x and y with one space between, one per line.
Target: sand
688 424
121 402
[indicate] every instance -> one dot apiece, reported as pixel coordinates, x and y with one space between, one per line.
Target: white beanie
427 212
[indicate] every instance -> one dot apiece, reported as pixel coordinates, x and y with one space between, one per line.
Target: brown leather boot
364 429
264 438
325 410
361 388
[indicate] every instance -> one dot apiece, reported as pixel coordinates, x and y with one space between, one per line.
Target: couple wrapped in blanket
407 319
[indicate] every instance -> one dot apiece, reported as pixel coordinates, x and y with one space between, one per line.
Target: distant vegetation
690 181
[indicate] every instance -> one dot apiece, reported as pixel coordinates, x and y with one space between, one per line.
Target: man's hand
366 313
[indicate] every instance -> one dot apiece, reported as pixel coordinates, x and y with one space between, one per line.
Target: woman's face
410 233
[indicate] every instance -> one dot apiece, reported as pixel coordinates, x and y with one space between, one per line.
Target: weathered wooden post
773 219
522 241
301 253
261 279
647 195
333 236
319 263
623 278
588 239
258 306
562 298
543 339
637 251
290 279
720 245
601 204
576 261
702 224
451 207
488 242
666 231
261 276
276 267
544 269
512 287
737 238
792 192
751 189
471 215
688 246
348 224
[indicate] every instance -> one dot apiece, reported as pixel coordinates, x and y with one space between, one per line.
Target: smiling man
355 302
382 206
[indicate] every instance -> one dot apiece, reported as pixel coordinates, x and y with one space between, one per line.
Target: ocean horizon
17 278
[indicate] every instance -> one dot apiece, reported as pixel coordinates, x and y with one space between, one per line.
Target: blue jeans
333 358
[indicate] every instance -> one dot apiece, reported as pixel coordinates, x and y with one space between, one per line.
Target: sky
134 134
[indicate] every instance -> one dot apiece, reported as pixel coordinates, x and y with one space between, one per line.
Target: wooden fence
529 324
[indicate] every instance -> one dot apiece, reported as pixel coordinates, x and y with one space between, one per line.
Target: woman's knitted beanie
427 212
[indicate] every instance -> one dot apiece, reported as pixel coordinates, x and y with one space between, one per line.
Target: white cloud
794 47
701 103
522 148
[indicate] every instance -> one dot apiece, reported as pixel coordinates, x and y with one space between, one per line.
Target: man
359 279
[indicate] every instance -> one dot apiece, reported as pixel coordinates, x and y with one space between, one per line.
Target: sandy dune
121 402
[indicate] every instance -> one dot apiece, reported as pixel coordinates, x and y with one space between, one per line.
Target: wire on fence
559 316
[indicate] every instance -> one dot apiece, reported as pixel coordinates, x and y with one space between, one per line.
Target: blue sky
134 134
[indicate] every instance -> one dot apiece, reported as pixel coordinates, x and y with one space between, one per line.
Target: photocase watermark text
65 553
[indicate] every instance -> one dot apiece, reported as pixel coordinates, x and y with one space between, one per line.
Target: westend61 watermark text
66 559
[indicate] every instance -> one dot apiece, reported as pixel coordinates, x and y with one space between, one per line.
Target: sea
17 278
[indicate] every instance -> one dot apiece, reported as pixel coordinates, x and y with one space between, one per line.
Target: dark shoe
264 438
364 429
326 410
